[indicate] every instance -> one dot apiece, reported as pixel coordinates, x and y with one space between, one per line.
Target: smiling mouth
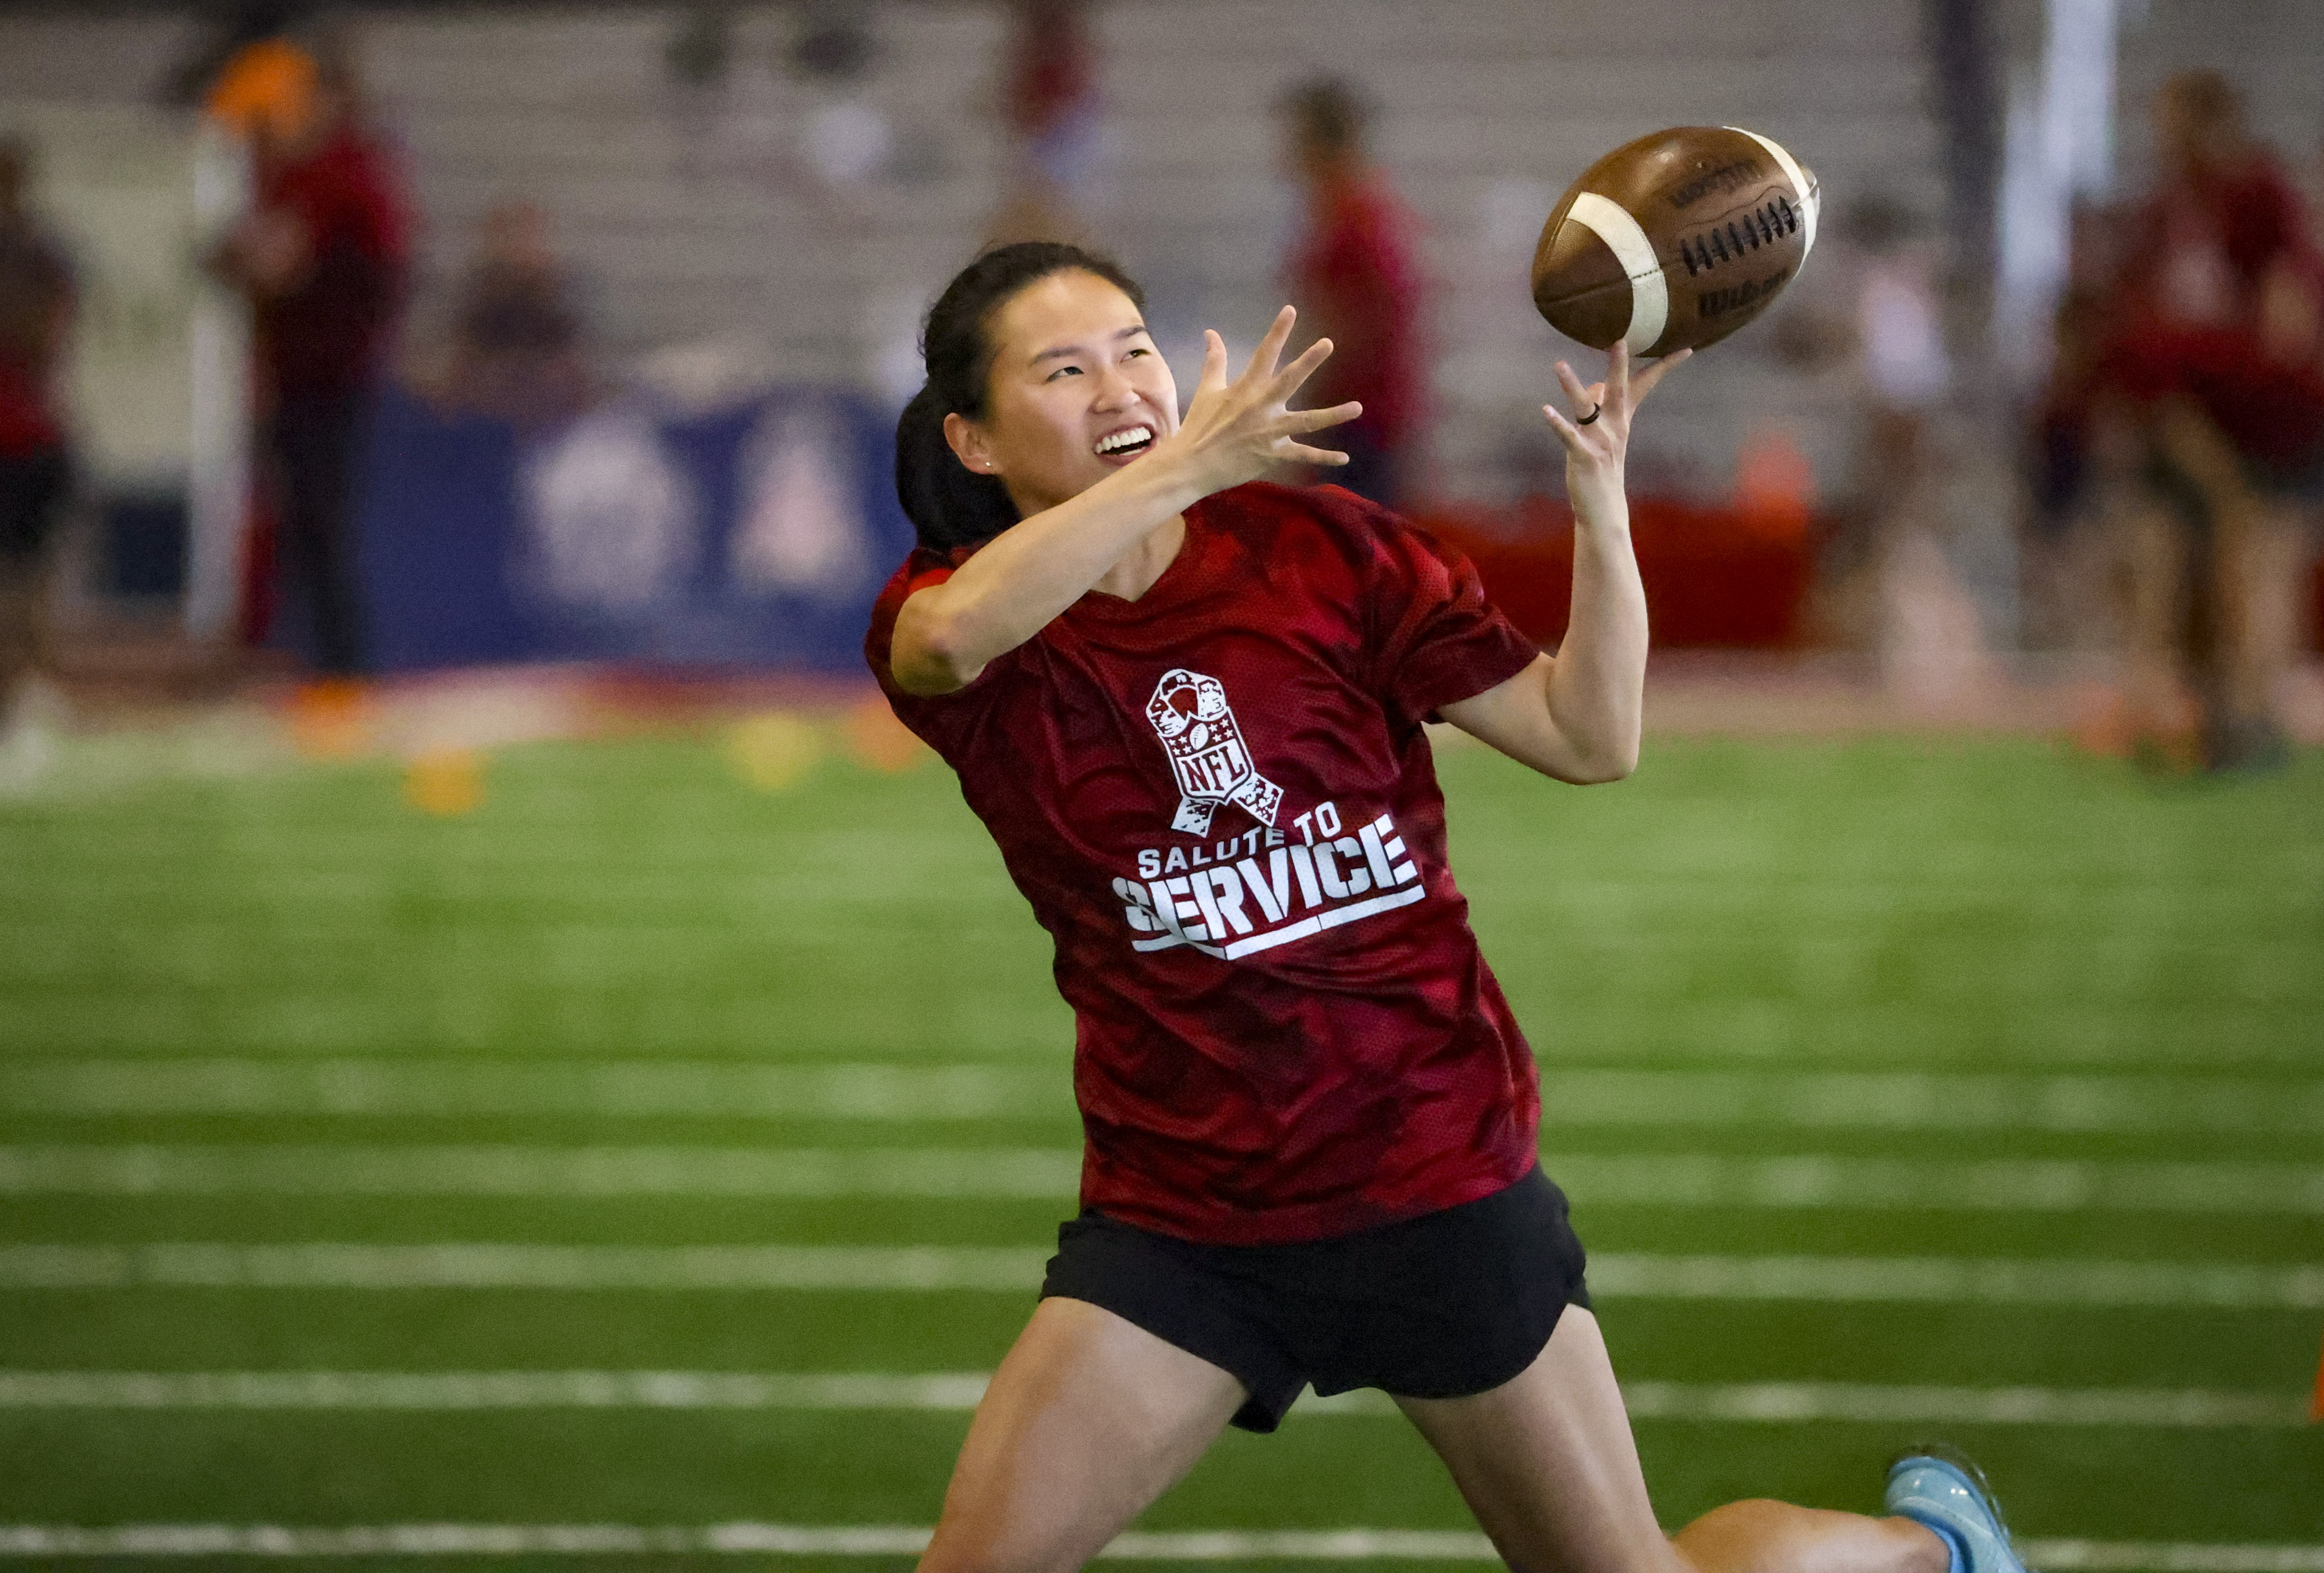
1114 444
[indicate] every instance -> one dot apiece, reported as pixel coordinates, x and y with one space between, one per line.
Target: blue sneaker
1936 1487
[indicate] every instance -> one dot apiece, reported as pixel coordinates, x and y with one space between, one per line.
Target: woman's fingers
1574 390
1306 421
1566 431
1617 396
1624 387
1213 382
1288 380
1644 382
1214 360
1285 384
1301 453
1270 346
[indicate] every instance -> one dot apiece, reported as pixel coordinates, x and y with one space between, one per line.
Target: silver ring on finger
1595 411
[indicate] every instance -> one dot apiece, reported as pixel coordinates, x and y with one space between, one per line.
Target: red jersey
2207 241
2189 309
327 336
1220 804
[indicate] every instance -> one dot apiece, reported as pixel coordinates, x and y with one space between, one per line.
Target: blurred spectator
516 338
1885 330
2065 552
2211 384
36 305
1049 104
1355 274
2223 215
322 255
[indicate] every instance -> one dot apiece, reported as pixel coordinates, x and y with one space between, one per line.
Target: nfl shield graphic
1207 753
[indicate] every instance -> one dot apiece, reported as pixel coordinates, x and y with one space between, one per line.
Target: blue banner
755 535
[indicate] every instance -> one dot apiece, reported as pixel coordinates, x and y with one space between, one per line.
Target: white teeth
1122 440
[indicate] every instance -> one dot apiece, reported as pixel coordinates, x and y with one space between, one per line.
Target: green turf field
1903 1088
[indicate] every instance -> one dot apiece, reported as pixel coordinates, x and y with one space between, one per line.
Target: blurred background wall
745 196
759 210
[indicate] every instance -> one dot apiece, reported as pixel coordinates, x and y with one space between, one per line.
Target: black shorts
33 487
1441 1305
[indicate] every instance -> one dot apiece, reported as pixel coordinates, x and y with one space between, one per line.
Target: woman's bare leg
1089 1419
2166 716
1548 1465
2269 582
1776 1537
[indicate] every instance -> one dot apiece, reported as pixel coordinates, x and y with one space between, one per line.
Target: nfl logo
1190 714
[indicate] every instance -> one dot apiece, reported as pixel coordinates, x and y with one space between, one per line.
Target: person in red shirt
1356 276
2215 363
36 308
1050 104
323 256
1189 708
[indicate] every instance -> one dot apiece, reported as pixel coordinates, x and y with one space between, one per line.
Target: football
1675 240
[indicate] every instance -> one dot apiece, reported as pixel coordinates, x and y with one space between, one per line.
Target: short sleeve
1437 639
920 570
939 720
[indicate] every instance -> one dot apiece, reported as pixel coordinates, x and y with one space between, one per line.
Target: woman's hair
948 504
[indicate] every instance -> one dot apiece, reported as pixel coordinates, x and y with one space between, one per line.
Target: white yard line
1817 1180
1770 1402
1659 1179
908 1268
983 1173
1957 1281
1350 1545
425 1539
1930 1101
947 1392
393 1086
2157 1407
2063 1555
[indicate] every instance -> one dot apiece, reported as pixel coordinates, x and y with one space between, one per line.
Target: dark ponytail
949 504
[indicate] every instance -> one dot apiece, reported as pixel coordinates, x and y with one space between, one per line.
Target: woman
1188 705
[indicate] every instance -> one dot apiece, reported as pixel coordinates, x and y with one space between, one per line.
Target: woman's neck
1137 570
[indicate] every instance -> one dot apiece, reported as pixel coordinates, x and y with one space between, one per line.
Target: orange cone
332 718
445 781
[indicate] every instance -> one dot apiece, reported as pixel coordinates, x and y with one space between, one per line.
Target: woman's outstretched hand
1596 447
1577 714
1234 431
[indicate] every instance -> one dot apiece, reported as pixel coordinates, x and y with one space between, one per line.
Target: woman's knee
1756 1535
1764 1536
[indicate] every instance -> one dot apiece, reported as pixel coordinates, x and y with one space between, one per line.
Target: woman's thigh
1547 1463
1088 1420
1548 1467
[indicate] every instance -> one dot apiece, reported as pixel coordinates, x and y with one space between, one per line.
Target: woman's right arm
947 634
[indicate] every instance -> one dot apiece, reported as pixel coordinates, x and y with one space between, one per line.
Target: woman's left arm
1576 715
